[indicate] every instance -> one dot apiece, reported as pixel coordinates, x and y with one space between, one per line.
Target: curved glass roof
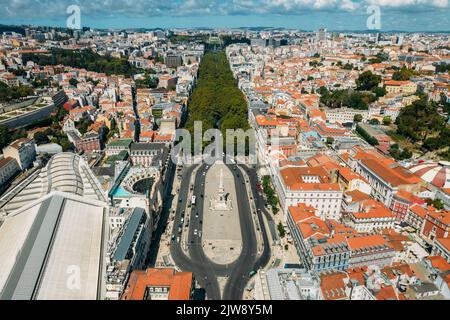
63 174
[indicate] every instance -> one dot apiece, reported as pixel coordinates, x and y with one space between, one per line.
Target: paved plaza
222 240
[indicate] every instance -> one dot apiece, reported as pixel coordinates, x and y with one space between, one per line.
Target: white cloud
142 8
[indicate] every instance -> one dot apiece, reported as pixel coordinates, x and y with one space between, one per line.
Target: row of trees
86 59
217 101
270 194
11 93
363 133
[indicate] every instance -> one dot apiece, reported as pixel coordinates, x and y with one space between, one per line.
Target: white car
195 232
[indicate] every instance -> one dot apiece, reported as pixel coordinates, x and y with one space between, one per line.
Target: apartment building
23 151
368 250
159 284
311 186
395 86
386 179
8 169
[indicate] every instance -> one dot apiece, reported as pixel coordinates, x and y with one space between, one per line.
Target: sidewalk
165 242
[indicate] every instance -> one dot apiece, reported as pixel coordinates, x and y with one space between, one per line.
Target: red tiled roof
179 283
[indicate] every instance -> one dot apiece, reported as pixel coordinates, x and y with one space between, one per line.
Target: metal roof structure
65 172
53 248
129 234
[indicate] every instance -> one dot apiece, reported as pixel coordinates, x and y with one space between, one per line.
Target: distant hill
17 29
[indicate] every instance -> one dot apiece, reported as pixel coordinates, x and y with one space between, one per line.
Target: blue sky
406 15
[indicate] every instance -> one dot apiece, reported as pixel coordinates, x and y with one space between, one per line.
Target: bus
193 199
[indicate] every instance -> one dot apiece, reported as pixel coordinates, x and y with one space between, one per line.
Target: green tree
40 138
438 204
403 74
330 140
281 230
357 118
367 81
387 120
4 136
73 82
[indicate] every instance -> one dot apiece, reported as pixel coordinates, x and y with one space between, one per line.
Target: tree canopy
85 59
217 101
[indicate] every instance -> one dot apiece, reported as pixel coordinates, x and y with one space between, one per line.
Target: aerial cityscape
201 150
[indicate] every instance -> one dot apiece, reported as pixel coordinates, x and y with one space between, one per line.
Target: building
159 284
173 60
23 151
439 270
311 186
88 143
128 247
316 245
345 115
437 225
168 82
287 284
49 148
368 250
8 169
349 180
117 146
321 35
401 202
395 86
371 216
148 154
415 217
442 248
57 221
386 180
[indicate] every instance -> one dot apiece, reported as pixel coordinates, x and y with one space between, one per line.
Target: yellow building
394 86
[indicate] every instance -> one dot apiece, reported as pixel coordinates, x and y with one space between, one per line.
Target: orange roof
396 83
333 286
349 175
313 226
442 216
357 196
301 212
266 121
179 284
374 213
440 263
319 159
392 271
406 195
386 293
444 242
395 176
420 211
366 241
315 113
292 178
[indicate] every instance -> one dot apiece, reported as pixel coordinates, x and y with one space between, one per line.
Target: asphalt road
205 271
239 275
